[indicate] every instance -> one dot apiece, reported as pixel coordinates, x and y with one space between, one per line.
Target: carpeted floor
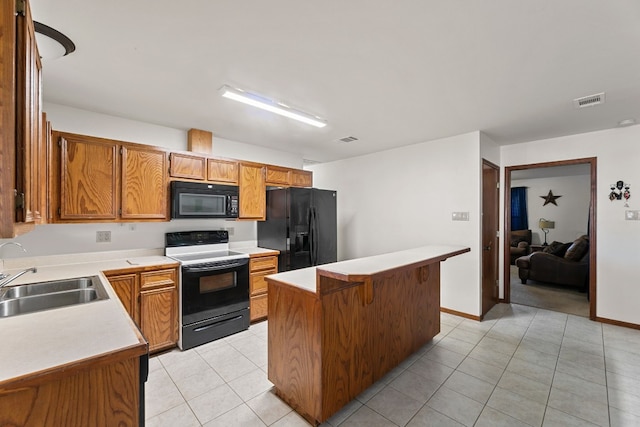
551 297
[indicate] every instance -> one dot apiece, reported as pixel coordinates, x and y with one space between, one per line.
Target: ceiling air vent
348 139
589 101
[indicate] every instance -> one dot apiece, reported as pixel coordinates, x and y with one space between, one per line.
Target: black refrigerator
302 224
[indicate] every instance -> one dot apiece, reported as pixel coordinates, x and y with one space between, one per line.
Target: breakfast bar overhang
335 329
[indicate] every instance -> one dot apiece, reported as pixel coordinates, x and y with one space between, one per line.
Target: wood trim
62 371
592 161
7 117
460 314
140 269
359 278
617 323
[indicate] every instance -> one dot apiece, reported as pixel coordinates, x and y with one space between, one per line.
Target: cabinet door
252 189
187 166
28 122
144 183
126 287
88 179
278 176
301 178
224 171
159 316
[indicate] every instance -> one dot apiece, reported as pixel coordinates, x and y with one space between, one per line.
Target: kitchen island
335 329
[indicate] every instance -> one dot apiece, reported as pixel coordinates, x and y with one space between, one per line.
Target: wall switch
632 215
103 236
460 216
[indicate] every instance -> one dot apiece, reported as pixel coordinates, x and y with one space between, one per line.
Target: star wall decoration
550 198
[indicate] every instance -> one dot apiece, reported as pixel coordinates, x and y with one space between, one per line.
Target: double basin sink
32 297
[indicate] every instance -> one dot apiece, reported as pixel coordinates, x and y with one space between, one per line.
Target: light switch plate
632 215
460 216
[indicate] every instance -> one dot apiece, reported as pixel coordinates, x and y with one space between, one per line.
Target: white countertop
38 341
305 278
255 251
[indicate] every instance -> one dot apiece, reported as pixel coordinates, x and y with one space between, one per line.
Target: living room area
549 242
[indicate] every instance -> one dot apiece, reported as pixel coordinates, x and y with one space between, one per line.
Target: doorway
590 164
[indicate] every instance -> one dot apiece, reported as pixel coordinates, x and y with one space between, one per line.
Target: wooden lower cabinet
125 286
151 298
259 267
101 392
159 317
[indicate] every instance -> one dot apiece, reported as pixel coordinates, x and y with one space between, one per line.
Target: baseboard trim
461 314
618 323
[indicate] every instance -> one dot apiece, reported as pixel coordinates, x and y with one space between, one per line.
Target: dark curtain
519 219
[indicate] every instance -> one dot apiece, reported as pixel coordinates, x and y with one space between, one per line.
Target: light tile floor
521 366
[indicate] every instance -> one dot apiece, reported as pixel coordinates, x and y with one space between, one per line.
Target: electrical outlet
103 236
230 230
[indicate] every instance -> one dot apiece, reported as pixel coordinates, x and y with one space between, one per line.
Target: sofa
560 264
520 244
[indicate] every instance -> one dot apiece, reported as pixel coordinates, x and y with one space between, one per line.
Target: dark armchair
520 244
571 269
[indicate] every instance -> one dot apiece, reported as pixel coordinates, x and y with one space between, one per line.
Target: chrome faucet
2 275
13 243
10 279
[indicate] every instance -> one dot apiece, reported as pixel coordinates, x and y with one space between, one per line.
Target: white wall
618 241
73 120
403 198
49 239
571 215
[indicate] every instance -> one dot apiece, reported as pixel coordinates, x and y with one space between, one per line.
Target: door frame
592 162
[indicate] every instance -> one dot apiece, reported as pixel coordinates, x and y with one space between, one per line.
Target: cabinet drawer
263 263
153 279
258 284
259 307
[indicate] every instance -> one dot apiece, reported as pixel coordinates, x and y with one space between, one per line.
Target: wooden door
187 166
158 317
28 121
490 200
88 181
144 183
126 287
223 171
253 192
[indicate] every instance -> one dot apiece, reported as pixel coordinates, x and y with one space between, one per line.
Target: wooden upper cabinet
144 183
88 178
252 191
278 176
188 166
224 171
97 179
301 178
21 123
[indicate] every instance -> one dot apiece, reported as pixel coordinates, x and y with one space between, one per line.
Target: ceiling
388 73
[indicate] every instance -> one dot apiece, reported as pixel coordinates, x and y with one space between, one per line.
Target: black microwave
201 200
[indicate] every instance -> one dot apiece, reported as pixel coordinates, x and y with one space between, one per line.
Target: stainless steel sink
47 287
33 297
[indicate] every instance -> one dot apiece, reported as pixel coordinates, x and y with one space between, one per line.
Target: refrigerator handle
310 233
314 240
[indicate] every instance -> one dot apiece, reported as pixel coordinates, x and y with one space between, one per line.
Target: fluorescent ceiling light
269 105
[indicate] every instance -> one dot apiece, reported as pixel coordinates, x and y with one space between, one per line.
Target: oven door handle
188 269
211 325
